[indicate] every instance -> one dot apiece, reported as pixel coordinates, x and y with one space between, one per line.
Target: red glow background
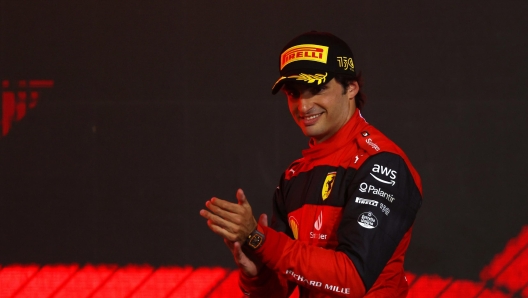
506 276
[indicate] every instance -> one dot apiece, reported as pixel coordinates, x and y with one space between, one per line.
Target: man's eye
317 89
290 93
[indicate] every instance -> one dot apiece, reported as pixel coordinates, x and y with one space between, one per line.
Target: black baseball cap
314 58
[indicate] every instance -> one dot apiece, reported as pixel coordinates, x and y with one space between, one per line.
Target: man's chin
312 134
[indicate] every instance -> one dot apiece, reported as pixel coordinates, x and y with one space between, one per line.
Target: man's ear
352 89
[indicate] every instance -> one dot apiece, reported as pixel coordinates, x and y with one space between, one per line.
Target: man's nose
305 104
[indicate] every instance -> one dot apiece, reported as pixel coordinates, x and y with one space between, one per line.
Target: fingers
263 220
236 213
241 197
237 252
239 217
224 233
247 266
232 207
217 209
229 244
220 226
230 220
225 205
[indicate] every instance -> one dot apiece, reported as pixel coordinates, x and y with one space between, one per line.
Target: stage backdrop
119 119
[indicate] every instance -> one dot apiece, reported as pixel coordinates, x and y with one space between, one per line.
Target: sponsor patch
302 279
311 52
318 225
372 144
327 185
318 236
319 222
346 62
364 187
367 220
337 289
384 209
294 226
384 171
366 201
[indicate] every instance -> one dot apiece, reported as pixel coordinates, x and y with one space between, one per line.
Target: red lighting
509 269
505 276
14 108
41 83
8 111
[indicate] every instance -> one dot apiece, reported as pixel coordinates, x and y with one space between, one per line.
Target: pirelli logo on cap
310 52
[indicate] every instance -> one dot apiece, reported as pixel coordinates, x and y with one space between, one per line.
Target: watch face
255 241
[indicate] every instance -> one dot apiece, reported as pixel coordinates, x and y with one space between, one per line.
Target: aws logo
17 98
385 173
294 226
328 184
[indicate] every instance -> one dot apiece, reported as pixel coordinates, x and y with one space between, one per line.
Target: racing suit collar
343 136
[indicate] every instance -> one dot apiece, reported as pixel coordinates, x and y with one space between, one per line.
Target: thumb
241 197
237 251
229 244
263 220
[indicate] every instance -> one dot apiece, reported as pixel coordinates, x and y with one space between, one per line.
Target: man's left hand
232 221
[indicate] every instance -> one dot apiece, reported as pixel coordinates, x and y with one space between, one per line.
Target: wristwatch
255 239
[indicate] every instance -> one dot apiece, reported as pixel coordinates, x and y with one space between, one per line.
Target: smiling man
343 213
321 111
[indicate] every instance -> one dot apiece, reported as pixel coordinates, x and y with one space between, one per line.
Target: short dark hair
345 80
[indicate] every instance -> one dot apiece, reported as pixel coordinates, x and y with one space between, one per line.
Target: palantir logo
17 98
364 187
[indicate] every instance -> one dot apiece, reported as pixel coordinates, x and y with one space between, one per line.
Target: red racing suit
342 220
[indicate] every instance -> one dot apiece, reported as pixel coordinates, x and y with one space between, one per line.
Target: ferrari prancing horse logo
327 186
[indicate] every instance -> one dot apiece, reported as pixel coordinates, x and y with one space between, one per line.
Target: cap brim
315 78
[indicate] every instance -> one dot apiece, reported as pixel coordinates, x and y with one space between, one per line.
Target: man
343 213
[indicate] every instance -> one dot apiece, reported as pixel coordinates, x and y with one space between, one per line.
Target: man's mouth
309 120
311 117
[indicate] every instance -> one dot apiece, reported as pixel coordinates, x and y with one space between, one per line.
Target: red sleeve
266 284
315 268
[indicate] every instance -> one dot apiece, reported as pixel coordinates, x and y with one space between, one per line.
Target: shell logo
294 226
328 184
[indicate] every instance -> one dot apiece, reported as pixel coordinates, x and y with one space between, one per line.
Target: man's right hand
249 268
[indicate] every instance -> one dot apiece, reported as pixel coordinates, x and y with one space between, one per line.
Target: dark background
159 105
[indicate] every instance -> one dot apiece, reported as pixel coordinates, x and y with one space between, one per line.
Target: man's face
322 110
